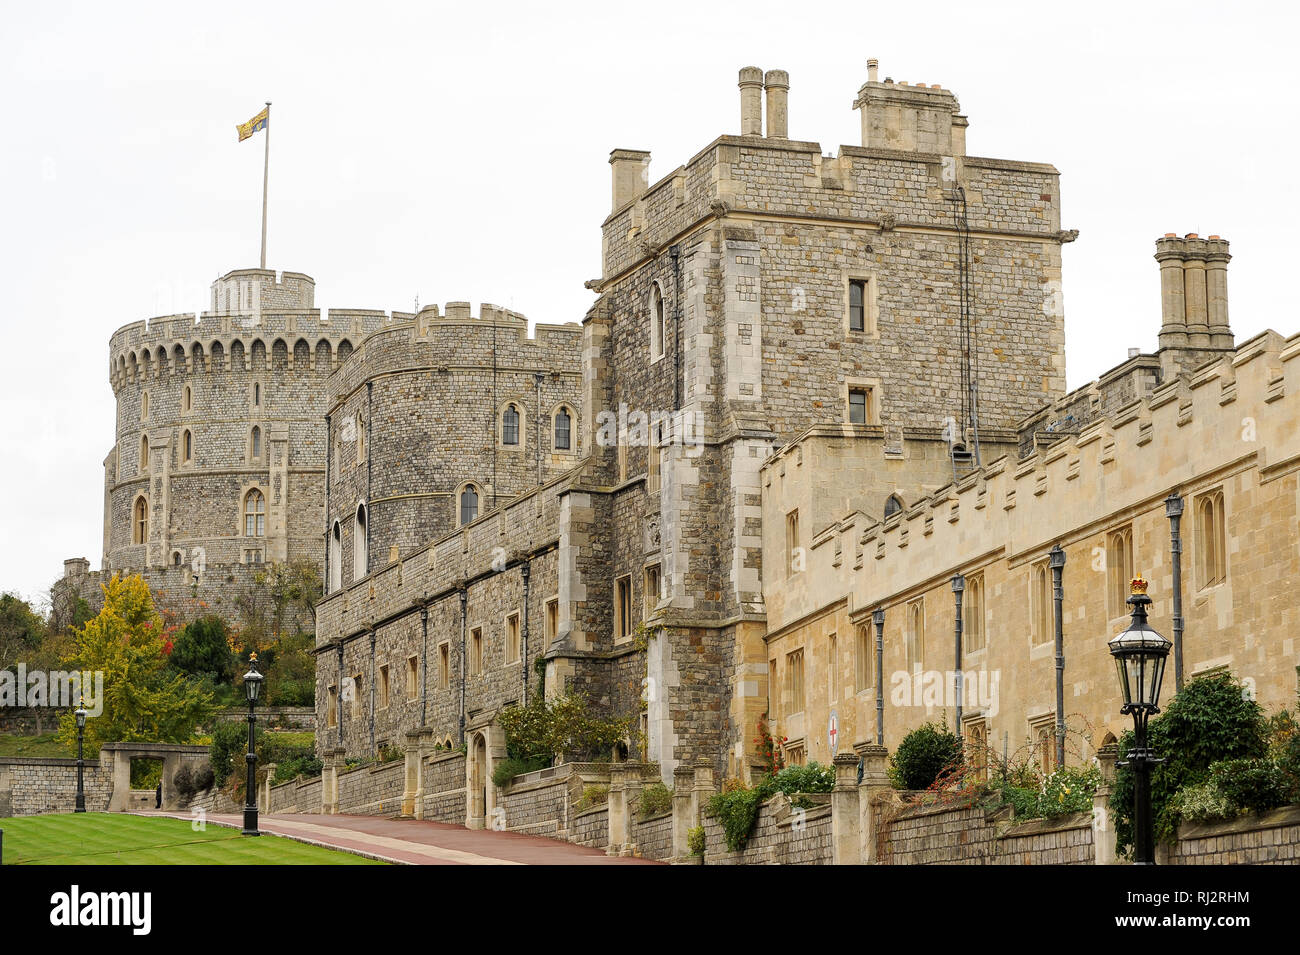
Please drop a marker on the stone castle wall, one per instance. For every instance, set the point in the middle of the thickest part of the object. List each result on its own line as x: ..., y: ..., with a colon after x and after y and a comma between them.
x: 415, y: 416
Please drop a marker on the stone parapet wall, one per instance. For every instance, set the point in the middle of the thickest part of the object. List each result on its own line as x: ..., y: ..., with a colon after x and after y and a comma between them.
x: 781, y: 836
x: 32, y: 786
x: 1268, y: 838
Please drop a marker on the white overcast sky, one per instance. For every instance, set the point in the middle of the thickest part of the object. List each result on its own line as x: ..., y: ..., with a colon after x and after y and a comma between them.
x: 459, y: 152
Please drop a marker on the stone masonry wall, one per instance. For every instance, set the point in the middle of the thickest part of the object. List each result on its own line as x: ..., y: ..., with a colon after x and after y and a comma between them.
x: 32, y: 786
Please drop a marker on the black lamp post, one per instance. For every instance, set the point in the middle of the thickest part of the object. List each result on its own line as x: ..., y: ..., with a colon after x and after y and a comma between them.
x: 252, y: 687
x: 958, y: 586
x: 1140, y: 654
x: 80, y: 714
x: 878, y: 618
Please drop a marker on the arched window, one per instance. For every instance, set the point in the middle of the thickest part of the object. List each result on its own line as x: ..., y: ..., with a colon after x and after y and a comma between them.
x: 140, y: 525
x: 510, y: 425
x: 256, y: 443
x: 656, y: 323
x: 360, y: 560
x: 563, y: 429
x: 361, y: 440
x: 893, y: 504
x: 176, y: 558
x: 254, y: 514
x: 257, y: 394
x: 468, y: 504
x: 187, y: 400
x: 144, y: 406
x: 336, y: 556
x: 187, y: 446
x: 144, y: 452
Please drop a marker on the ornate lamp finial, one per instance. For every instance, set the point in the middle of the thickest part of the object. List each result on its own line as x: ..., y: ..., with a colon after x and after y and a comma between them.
x: 1138, y: 586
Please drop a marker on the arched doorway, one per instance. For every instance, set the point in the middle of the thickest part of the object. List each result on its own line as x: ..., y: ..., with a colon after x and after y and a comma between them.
x: 476, y: 797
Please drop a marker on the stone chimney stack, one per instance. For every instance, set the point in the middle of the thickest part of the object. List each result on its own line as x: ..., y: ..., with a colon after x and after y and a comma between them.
x: 777, y: 85
x: 751, y: 101
x: 631, y: 175
x: 917, y: 117
x: 1193, y: 299
x: 873, y: 70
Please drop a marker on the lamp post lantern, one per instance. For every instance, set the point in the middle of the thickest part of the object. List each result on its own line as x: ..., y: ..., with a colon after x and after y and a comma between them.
x: 1140, y: 655
x: 80, y: 714
x: 252, y: 687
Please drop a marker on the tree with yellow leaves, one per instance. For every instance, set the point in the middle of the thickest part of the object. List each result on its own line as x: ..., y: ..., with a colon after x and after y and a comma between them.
x: 143, y: 700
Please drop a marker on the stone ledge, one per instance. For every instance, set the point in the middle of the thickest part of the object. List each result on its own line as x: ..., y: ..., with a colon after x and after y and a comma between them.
x: 1251, y: 822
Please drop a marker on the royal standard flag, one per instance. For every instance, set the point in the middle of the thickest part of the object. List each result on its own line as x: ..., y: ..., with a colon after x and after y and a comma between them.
x: 258, y: 122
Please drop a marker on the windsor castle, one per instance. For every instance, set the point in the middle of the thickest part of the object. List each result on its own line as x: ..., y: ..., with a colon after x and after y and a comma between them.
x: 812, y: 388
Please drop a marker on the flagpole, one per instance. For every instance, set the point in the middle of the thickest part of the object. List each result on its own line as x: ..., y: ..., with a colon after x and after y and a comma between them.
x: 266, y: 173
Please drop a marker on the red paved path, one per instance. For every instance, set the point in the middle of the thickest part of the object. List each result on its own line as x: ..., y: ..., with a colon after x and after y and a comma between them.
x: 413, y: 842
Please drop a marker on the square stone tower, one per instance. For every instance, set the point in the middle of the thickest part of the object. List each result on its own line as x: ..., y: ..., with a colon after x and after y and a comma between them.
x: 760, y: 289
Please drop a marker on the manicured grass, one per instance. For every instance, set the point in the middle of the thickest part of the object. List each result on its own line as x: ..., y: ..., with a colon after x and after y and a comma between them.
x: 117, y: 839
x: 42, y: 746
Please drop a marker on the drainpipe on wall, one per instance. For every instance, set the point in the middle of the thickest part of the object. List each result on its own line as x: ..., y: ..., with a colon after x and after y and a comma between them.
x: 370, y: 387
x: 958, y: 585
x: 424, y: 664
x: 1174, y: 511
x: 372, y: 671
x: 525, y: 570
x: 338, y: 701
x: 328, y: 436
x: 1057, y: 563
x: 464, y: 597
x: 676, y: 253
x: 537, y: 439
x: 878, y: 618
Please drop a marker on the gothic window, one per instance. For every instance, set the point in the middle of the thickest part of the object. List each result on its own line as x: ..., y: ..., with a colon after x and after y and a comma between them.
x: 1040, y: 602
x: 1119, y: 567
x: 623, y: 608
x: 794, y: 553
x: 360, y: 560
x: 144, y: 452
x: 657, y: 326
x: 833, y: 668
x: 512, y: 638
x: 412, y: 677
x: 444, y: 665
x: 144, y: 406
x: 893, y: 504
x: 336, y: 556
x: 476, y: 651
x: 187, y: 400
x: 187, y: 446
x: 257, y: 394
x: 973, y: 613
x: 563, y: 425
x: 653, y: 589
x: 1211, y: 538
x: 140, y: 524
x: 510, y: 425
x: 863, y: 658
x: 254, y: 514
x: 255, y: 443
x: 914, y: 648
x: 469, y: 497
x: 552, y: 619
x: 794, y: 680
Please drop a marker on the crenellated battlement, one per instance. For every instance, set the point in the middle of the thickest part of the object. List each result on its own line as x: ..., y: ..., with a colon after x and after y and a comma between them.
x: 1245, y: 405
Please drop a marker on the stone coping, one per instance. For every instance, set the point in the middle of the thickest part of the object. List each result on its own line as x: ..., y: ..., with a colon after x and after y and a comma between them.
x: 1250, y: 822
x: 591, y: 810
x: 151, y: 748
x: 1034, y: 827
x: 46, y: 761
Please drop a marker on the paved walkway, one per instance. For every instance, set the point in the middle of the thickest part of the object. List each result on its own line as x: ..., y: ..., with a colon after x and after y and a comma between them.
x: 412, y: 842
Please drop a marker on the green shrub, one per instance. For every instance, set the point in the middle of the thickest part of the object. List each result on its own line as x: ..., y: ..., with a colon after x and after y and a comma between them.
x: 593, y: 796
x: 1069, y: 789
x: 508, y: 768
x: 1203, y: 802
x: 229, y: 744
x: 204, y: 779
x: 1211, y: 719
x: 810, y: 778
x: 1256, y: 784
x: 183, y: 782
x: 309, y: 767
x: 737, y: 809
x: 202, y: 648
x: 923, y: 755
x: 695, y: 840
x: 544, y: 729
x: 656, y: 799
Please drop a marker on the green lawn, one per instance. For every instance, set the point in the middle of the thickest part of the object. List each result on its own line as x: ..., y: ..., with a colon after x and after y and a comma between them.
x: 116, y: 839
x: 34, y: 746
